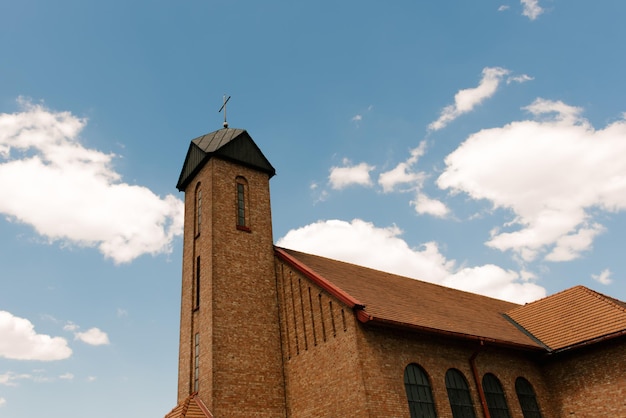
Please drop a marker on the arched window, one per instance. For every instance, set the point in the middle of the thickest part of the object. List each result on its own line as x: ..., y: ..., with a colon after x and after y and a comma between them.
x: 242, y: 204
x: 459, y: 395
x: 198, y: 205
x: 496, y: 401
x: 418, y: 392
x: 527, y: 398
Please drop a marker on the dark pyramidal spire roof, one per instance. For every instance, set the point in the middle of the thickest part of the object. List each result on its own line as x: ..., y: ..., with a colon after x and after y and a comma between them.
x: 228, y: 144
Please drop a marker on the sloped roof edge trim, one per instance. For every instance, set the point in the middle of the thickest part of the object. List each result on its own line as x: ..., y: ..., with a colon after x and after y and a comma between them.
x: 202, y: 406
x: 340, y: 294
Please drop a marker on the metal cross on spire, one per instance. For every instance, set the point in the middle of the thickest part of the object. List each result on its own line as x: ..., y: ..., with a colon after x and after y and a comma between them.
x: 226, y: 99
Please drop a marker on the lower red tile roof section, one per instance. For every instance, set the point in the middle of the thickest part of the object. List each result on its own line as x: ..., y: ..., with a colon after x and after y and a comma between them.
x: 573, y: 317
x: 190, y: 407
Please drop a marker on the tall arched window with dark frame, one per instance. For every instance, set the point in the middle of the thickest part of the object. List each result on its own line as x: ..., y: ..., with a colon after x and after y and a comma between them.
x: 527, y: 398
x: 418, y: 392
x: 459, y: 395
x: 494, y: 394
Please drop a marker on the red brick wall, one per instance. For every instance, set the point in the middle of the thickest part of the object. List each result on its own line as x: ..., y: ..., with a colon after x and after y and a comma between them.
x: 322, y: 365
x: 590, y: 382
x: 386, y: 353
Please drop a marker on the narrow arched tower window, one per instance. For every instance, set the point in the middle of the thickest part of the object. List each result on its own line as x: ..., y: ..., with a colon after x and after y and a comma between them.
x: 242, y: 204
x: 527, y: 398
x: 198, y: 208
x: 459, y: 395
x: 196, y: 285
x: 496, y: 401
x: 196, y: 363
x: 418, y: 392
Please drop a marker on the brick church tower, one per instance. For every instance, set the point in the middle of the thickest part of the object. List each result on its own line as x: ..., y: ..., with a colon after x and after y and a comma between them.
x: 230, y: 350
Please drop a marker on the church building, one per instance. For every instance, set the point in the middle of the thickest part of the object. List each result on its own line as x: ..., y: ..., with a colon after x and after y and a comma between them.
x: 271, y: 332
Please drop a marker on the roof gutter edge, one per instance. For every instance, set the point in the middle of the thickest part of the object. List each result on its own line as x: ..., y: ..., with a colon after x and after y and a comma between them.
x: 367, y: 318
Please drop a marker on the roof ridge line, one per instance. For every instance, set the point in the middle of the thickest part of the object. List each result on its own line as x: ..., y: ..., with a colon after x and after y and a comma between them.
x: 607, y: 299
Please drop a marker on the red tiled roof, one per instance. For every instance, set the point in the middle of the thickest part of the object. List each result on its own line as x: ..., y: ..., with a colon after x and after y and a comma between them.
x: 572, y: 317
x: 190, y: 407
x: 386, y: 298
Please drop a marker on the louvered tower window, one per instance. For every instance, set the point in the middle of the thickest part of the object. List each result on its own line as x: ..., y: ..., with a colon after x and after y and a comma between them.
x: 242, y: 204
x: 418, y: 392
x: 198, y: 209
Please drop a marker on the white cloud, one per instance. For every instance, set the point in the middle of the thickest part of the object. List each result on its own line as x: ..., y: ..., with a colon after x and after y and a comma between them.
x: 604, y: 277
x: 91, y: 379
x: 532, y: 10
x: 71, y: 193
x: 19, y: 341
x: 67, y: 376
x: 403, y: 173
x: 519, y: 79
x: 362, y: 243
x: 93, y: 336
x: 341, y: 177
x: 357, y: 118
x: 503, y: 8
x: 465, y: 100
x: 9, y: 378
x: 424, y: 205
x: 70, y: 326
x: 550, y: 172
x: 2, y: 401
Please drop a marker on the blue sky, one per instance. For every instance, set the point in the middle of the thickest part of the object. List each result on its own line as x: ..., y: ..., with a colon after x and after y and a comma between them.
x: 475, y: 144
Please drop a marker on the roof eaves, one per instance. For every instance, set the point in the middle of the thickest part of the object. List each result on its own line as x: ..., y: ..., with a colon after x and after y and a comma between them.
x: 335, y: 291
x: 589, y: 342
x: 365, y: 318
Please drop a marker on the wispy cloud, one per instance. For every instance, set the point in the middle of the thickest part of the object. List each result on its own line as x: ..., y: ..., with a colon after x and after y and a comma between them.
x: 93, y: 336
x: 577, y: 172
x: 467, y: 99
x: 404, y: 172
x: 519, y: 79
x: 348, y: 175
x: 532, y: 10
x: 604, y: 277
x: 20, y: 341
x: 424, y: 205
x: 70, y: 193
